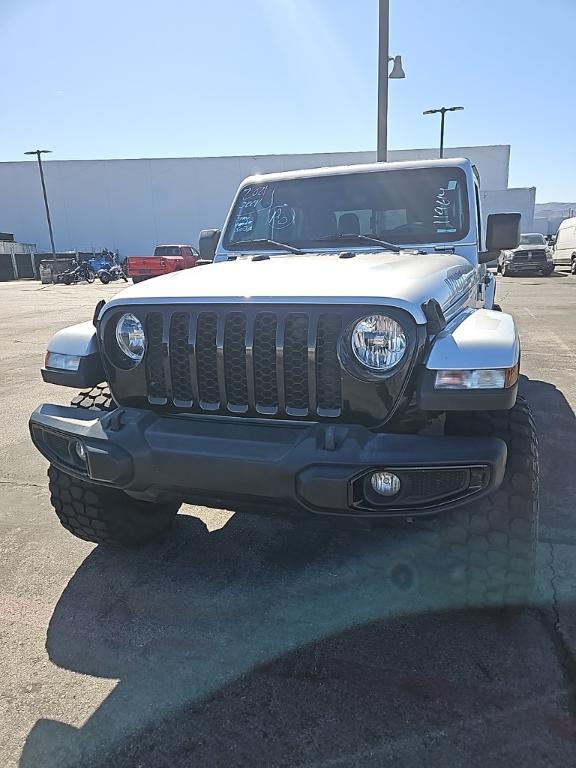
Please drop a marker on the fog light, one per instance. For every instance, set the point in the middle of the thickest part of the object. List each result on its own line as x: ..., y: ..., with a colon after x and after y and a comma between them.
x: 80, y: 450
x: 385, y: 483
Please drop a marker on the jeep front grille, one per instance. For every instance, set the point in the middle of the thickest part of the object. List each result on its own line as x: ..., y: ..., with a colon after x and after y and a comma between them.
x: 251, y: 363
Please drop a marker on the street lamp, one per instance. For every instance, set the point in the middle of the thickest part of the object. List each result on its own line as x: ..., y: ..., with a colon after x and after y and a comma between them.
x: 39, y: 153
x: 442, y: 111
x: 384, y: 75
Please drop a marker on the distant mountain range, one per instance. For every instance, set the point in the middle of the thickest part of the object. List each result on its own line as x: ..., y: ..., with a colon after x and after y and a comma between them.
x: 555, y: 209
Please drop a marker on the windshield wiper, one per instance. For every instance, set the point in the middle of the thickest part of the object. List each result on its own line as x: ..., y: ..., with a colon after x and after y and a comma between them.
x: 363, y: 238
x: 266, y: 241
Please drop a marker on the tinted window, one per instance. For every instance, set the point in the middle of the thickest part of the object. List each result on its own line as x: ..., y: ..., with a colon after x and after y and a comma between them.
x: 401, y: 206
x: 532, y: 240
x: 167, y: 250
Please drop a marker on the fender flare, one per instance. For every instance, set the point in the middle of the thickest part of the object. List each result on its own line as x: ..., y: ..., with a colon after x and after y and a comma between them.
x: 477, y: 339
x: 79, y: 340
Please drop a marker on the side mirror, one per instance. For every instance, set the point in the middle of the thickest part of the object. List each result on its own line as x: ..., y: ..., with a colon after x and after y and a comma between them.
x: 502, y: 234
x: 503, y: 231
x: 207, y: 243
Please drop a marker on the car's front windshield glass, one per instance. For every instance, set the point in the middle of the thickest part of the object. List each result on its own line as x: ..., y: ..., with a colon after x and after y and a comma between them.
x: 403, y: 207
x: 532, y: 240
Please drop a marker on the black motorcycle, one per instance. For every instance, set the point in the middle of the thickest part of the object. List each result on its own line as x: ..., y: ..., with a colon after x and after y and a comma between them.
x: 79, y: 272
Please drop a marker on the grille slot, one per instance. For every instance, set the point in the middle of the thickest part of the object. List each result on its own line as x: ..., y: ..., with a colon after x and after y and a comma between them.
x: 155, y: 373
x: 328, y: 372
x: 179, y: 359
x: 296, y: 365
x: 245, y: 362
x: 206, y: 358
x: 264, y: 353
x: 235, y: 361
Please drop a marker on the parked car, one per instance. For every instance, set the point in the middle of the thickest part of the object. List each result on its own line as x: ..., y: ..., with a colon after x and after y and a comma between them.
x: 564, y: 253
x: 533, y: 254
x: 344, y: 359
x: 166, y: 259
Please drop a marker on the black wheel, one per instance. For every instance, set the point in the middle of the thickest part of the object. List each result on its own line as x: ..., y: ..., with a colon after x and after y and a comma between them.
x: 505, y: 272
x: 573, y: 266
x: 104, y: 278
x: 488, y: 549
x: 138, y: 279
x: 90, y: 275
x: 67, y: 279
x: 104, y: 515
x: 98, y: 398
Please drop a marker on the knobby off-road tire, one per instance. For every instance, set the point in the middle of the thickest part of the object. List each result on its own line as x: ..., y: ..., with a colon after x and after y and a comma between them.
x: 105, y: 515
x: 488, y: 549
x: 98, y: 398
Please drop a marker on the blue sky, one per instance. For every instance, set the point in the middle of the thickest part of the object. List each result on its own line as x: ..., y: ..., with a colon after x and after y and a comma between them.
x: 134, y: 78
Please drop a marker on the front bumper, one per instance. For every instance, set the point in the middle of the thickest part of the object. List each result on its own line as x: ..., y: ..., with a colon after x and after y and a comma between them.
x: 276, y: 466
x: 528, y: 266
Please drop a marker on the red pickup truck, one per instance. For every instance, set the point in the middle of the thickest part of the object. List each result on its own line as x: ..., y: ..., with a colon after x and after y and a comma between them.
x: 167, y: 258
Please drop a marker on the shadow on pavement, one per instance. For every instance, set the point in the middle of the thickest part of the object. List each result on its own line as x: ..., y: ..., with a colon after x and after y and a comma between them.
x: 268, y: 644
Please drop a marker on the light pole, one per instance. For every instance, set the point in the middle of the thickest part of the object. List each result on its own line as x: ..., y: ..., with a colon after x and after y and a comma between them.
x: 442, y: 111
x: 39, y: 153
x: 384, y: 75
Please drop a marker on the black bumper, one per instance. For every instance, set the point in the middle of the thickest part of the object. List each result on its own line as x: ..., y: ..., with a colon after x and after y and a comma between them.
x: 528, y: 266
x: 298, y: 467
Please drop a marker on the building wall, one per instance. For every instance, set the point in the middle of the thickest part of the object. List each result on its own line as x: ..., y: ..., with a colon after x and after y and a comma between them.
x: 134, y: 204
x: 511, y: 201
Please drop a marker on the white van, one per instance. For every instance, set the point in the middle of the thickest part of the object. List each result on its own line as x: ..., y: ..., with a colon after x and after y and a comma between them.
x: 565, y: 245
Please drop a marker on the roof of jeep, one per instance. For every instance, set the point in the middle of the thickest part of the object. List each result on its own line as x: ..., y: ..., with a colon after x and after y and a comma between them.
x: 305, y: 173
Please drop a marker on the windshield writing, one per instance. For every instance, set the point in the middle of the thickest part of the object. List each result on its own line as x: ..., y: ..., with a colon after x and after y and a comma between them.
x: 403, y: 207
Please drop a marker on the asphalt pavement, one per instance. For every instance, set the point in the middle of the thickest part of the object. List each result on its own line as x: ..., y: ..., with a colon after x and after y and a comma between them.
x: 240, y: 641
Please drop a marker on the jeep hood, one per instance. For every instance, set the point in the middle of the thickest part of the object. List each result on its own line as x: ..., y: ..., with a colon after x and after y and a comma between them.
x: 405, y: 280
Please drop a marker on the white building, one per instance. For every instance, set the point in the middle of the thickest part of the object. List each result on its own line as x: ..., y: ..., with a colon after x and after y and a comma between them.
x: 134, y: 204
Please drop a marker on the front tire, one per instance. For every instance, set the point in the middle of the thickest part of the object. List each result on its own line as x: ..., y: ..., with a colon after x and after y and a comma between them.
x: 573, y: 266
x: 489, y: 547
x: 90, y: 275
x: 105, y: 515
x: 98, y: 398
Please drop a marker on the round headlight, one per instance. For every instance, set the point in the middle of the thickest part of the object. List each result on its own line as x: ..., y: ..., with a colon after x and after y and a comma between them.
x: 379, y: 342
x: 131, y: 338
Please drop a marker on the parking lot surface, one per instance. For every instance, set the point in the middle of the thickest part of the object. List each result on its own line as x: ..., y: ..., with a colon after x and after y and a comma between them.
x: 252, y: 642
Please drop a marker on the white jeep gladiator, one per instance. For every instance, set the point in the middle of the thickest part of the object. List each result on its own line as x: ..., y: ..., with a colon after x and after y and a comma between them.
x: 342, y: 357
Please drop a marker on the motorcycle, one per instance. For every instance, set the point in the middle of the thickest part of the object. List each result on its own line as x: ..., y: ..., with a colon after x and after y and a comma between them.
x: 113, y: 272
x: 78, y: 273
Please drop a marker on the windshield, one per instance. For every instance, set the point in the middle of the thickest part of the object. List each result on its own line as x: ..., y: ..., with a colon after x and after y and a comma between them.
x: 532, y: 240
x: 403, y: 207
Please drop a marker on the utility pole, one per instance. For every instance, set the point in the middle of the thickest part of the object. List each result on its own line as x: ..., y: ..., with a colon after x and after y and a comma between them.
x: 39, y: 153
x: 442, y: 111
x: 383, y: 66
x: 397, y: 73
